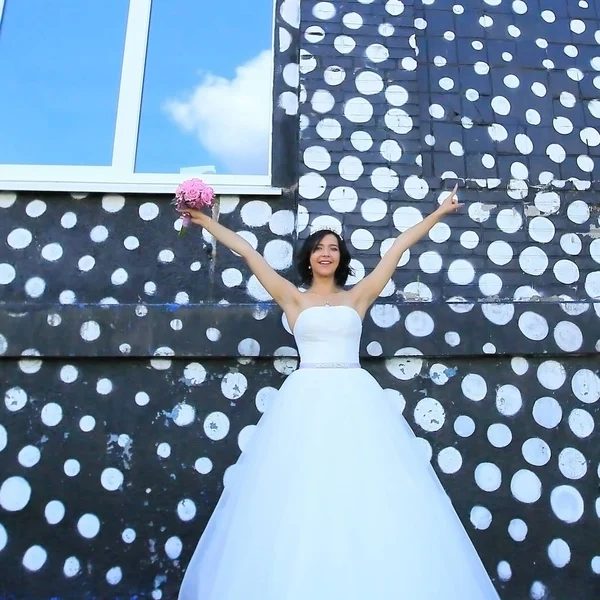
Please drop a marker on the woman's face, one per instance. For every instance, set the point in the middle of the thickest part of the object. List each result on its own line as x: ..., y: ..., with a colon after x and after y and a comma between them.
x: 325, y: 257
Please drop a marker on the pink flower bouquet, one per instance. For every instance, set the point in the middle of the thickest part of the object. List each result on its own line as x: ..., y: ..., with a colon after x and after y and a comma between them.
x: 194, y: 194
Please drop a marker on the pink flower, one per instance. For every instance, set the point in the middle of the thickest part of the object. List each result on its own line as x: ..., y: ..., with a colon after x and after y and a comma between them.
x: 194, y: 194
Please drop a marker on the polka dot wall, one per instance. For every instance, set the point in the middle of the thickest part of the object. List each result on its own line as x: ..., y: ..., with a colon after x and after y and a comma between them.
x: 135, y: 363
x: 117, y: 464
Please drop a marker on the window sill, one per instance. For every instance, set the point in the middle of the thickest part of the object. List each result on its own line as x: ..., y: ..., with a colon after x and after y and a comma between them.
x: 42, y: 178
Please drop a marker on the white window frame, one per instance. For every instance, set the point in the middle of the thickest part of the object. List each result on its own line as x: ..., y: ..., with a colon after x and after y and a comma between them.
x: 121, y: 175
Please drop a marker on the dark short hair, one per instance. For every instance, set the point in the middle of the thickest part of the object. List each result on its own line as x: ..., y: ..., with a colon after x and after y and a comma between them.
x: 343, y: 271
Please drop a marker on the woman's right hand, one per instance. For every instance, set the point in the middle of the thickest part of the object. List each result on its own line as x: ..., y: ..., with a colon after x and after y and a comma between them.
x: 196, y: 216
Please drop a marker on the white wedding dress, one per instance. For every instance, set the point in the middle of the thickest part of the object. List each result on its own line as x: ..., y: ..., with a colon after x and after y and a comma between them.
x: 333, y: 499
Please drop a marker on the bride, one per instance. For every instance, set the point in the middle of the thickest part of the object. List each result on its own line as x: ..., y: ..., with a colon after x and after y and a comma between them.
x: 332, y: 499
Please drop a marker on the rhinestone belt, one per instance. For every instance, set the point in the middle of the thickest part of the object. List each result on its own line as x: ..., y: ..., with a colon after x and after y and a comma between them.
x: 330, y: 365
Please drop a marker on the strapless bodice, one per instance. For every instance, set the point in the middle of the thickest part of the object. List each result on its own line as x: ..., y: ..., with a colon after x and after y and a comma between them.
x: 328, y: 335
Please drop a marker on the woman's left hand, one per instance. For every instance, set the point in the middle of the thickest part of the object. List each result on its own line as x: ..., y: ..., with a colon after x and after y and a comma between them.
x: 450, y: 204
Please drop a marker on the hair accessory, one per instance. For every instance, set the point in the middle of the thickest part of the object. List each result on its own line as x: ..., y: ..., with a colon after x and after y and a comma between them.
x: 329, y: 230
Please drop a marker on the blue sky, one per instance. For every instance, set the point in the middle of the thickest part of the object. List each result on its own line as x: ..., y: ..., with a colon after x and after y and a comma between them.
x: 60, y: 64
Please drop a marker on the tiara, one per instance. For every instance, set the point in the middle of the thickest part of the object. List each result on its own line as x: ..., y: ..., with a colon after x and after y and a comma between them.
x: 331, y: 229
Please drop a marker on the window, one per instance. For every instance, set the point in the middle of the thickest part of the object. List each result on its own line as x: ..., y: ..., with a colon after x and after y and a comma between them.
x: 134, y: 95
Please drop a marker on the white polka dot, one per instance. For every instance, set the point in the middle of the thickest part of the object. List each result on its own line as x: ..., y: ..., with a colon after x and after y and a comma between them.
x: 440, y: 233
x: 279, y: 254
x: 390, y: 150
x: 34, y: 558
x: 186, y: 509
x: 362, y: 239
x: 329, y: 129
x: 581, y: 423
x: 369, y: 83
x: 87, y: 423
x: 163, y: 450
x: 419, y: 323
x: 350, y: 168
x: 526, y: 486
x: 469, y: 239
x: 556, y: 153
x: 551, y: 374
x: 490, y: 284
x: 500, y: 105
x: 7, y: 273
x: 396, y: 95
x: 519, y: 365
x: 533, y: 326
x: 29, y: 456
x: 567, y: 503
x: 88, y: 525
x: 572, y: 463
x: 592, y: 285
x: 317, y: 157
x: 499, y: 435
x: 18, y: 239
x: 547, y: 412
x: 500, y: 252
x: 99, y: 234
x: 480, y: 517
x: 461, y: 272
x: 332, y: 75
x: 509, y: 220
x: 216, y: 426
x: 399, y: 121
x: 517, y: 529
x: 536, y: 452
x: 488, y: 477
x: 35, y: 287
x: 71, y: 467
x: 15, y: 399
x: 498, y: 313
x: 377, y: 53
x: 497, y: 132
x: 15, y: 493
x: 111, y: 479
x: 90, y: 331
x: 430, y: 262
x: 578, y: 212
x: 538, y: 589
x: 508, y: 400
x: 532, y: 116
x: 474, y: 387
x: 324, y: 10
x: 449, y: 460
x: 559, y: 553
x: 54, y: 512
x: 586, y: 386
x: 358, y: 110
x: 541, y: 229
x: 568, y: 336
x: 533, y: 260
x: 232, y: 277
x: 114, y: 575
x: 429, y: 414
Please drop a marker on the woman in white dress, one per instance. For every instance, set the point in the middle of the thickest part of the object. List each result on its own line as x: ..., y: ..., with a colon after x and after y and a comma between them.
x: 332, y: 499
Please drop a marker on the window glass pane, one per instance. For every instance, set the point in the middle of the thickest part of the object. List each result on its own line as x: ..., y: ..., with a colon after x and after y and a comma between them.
x: 206, y: 103
x: 60, y: 68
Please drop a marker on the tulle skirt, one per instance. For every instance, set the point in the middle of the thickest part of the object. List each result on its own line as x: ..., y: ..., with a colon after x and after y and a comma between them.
x: 332, y: 499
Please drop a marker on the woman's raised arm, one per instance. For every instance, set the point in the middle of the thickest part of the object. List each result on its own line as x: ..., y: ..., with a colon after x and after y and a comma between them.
x: 366, y: 291
x: 281, y: 290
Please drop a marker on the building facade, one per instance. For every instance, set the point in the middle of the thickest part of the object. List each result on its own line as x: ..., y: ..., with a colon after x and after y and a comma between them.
x: 135, y: 363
